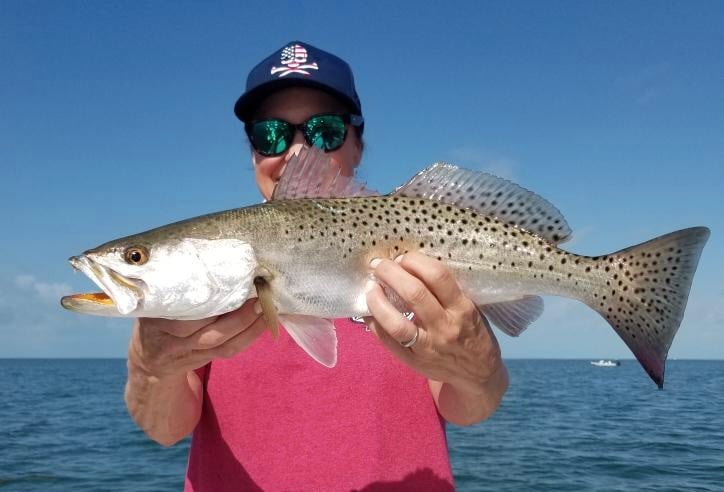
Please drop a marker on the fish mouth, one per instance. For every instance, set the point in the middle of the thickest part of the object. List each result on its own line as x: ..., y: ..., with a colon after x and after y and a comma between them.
x: 121, y: 295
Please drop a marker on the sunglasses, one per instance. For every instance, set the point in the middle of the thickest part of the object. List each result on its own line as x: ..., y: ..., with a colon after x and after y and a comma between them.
x: 325, y: 131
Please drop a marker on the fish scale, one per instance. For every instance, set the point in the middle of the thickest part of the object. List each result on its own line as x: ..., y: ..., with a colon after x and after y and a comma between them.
x: 358, y: 230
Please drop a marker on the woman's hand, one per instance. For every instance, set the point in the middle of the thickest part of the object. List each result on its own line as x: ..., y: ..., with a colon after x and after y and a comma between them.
x: 164, y: 394
x: 455, y: 347
x: 165, y: 347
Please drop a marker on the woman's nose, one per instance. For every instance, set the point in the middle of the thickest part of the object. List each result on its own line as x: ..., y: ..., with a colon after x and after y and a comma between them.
x: 298, y: 137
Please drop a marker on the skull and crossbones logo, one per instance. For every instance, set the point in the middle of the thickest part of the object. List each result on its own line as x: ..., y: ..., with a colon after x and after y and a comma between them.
x: 294, y: 60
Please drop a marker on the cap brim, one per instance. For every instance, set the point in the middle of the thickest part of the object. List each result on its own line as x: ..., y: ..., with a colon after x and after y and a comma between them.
x: 248, y: 102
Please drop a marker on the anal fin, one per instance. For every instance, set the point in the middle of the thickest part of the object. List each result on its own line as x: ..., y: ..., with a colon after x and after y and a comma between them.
x: 513, y: 317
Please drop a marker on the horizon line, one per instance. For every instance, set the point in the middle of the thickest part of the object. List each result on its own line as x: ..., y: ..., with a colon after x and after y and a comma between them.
x: 504, y: 358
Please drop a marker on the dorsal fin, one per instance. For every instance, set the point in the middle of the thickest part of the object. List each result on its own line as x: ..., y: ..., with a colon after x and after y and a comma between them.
x: 490, y: 195
x: 312, y: 174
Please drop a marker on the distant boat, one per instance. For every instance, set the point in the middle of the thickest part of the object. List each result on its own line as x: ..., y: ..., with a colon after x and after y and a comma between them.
x: 605, y: 363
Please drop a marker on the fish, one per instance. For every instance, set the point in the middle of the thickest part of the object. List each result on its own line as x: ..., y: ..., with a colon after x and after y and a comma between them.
x: 305, y: 255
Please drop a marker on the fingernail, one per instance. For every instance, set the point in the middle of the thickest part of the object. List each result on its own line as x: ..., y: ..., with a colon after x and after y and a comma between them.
x: 257, y: 307
x: 375, y: 262
x: 399, y: 259
x: 370, y: 285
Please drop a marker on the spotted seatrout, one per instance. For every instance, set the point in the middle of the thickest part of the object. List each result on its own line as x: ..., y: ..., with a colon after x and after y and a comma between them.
x: 306, y: 254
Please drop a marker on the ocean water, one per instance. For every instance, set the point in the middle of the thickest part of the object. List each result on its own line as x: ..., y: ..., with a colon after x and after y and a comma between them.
x: 563, y: 426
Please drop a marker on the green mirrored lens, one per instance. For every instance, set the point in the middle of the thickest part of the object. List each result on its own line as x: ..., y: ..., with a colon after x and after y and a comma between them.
x: 271, y: 137
x: 326, y: 132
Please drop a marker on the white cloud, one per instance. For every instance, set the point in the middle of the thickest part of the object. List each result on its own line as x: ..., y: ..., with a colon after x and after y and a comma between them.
x: 706, y: 311
x: 647, y: 83
x: 560, y: 309
x: 33, y: 324
x: 580, y: 236
x: 648, y: 94
x: 484, y: 159
x: 49, y: 292
x: 24, y: 281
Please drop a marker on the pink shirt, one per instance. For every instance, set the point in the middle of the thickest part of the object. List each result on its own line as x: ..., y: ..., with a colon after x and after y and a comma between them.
x: 274, y: 419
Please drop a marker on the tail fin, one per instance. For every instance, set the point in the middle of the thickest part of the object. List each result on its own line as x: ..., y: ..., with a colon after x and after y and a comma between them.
x: 645, y: 295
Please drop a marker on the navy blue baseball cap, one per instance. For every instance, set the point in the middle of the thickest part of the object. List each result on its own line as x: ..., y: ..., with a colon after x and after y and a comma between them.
x: 298, y: 64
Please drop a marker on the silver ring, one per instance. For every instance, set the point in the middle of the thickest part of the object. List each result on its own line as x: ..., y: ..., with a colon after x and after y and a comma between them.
x: 413, y: 341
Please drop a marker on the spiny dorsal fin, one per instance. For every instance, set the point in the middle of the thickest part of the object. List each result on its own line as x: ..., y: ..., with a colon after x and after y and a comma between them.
x: 312, y: 174
x: 489, y: 195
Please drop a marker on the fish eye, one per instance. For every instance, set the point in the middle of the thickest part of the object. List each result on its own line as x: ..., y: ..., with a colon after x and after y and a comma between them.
x: 136, y: 255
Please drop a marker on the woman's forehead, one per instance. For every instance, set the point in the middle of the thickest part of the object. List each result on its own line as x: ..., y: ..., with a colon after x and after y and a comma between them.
x: 297, y: 104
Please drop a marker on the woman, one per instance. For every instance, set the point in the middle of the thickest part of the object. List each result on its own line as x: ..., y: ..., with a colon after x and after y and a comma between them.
x: 266, y: 416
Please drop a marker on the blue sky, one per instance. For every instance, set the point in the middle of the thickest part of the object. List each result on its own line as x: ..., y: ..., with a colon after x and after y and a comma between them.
x: 117, y: 117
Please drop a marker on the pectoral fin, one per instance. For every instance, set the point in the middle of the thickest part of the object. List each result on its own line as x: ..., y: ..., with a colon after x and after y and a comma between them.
x: 315, y: 335
x: 268, y: 310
